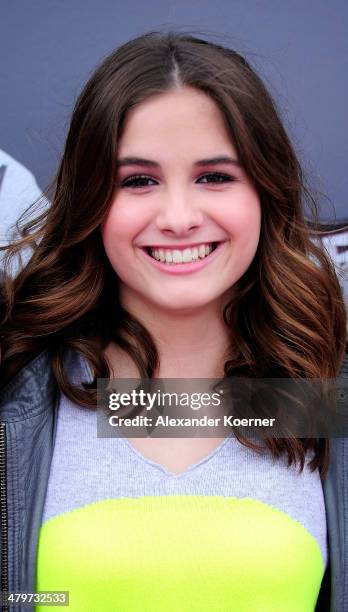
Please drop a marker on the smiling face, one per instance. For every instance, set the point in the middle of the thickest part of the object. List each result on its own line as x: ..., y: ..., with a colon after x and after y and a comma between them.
x: 179, y: 187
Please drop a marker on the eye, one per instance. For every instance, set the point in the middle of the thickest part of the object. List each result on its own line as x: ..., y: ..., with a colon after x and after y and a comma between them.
x: 139, y: 180
x: 216, y: 177
x: 142, y: 180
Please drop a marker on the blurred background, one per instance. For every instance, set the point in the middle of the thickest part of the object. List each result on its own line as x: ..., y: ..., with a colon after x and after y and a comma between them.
x: 50, y: 47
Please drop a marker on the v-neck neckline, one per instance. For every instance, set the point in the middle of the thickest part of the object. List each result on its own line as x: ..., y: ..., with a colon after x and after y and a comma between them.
x: 165, y: 470
x: 153, y: 464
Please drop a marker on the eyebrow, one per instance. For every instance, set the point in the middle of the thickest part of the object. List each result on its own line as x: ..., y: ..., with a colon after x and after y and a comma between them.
x: 211, y: 161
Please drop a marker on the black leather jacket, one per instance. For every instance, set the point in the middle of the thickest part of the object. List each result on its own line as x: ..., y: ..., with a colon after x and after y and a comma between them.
x: 27, y: 434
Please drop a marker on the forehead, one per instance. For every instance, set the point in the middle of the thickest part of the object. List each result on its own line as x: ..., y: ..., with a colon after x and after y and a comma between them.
x: 185, y: 117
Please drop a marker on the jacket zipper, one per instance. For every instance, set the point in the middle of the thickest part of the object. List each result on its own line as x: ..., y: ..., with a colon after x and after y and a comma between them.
x: 3, y: 513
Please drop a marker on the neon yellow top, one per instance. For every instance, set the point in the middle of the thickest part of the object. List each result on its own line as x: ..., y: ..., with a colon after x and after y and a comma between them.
x: 180, y: 554
x: 235, y: 532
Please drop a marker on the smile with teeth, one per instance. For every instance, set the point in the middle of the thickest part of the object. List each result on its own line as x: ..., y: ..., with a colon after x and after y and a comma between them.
x: 178, y: 256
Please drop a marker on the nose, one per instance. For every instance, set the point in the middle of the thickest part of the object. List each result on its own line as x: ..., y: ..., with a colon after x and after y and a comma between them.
x: 178, y: 214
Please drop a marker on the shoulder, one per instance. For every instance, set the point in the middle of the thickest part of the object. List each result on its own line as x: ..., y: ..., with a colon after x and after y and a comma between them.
x: 32, y: 387
x: 35, y: 388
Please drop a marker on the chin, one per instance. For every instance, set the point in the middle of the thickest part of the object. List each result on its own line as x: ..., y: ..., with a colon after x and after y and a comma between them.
x: 182, y: 306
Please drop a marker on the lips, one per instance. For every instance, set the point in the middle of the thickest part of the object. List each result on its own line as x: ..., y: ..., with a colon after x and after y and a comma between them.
x: 181, y: 247
x: 184, y: 268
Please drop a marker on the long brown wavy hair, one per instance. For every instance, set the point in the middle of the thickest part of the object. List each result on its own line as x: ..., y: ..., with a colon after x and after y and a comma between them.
x: 287, y: 317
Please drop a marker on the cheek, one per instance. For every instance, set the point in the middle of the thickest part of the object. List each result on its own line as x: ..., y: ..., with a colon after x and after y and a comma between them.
x: 242, y: 217
x: 121, y: 225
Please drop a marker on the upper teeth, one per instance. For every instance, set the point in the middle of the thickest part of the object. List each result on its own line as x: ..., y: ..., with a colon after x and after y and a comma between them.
x: 182, y: 256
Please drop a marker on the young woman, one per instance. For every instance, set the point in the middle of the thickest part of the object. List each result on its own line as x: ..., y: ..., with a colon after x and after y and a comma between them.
x: 175, y: 247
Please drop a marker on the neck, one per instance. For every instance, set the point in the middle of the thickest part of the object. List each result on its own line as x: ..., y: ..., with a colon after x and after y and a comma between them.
x: 190, y: 344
